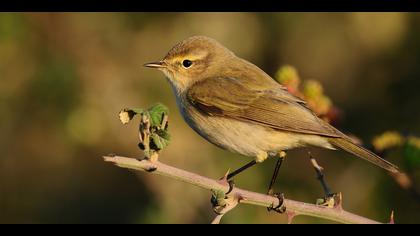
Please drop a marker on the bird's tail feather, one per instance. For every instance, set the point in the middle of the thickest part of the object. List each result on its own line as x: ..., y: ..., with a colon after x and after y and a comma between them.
x: 349, y: 146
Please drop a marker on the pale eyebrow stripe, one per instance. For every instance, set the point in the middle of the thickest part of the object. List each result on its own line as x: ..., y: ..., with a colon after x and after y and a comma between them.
x: 193, y: 57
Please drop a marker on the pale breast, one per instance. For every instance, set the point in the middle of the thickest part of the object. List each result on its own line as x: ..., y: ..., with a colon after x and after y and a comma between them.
x: 242, y: 137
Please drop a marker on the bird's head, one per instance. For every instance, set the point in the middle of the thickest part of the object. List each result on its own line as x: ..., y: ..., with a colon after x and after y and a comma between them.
x: 192, y: 60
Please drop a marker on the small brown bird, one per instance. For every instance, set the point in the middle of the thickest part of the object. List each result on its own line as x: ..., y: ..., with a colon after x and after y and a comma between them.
x: 236, y: 106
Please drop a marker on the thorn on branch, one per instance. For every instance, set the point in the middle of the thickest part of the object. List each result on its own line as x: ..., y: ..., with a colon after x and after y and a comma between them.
x: 339, y: 202
x: 225, y: 181
x: 225, y: 177
x: 391, y: 221
x: 290, y: 216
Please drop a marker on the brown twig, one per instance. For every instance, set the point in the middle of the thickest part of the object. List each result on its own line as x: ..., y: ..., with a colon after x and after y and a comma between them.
x: 247, y: 197
x: 320, y: 175
x: 331, y: 200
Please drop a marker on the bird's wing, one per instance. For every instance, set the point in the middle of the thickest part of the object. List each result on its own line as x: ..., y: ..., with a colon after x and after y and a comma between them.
x: 274, y: 107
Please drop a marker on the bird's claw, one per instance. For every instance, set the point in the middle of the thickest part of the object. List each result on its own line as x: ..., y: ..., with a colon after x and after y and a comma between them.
x: 280, y: 208
x: 220, y: 199
x: 226, y: 180
x: 231, y: 186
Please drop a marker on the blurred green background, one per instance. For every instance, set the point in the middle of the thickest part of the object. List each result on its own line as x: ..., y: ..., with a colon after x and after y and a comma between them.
x: 65, y: 76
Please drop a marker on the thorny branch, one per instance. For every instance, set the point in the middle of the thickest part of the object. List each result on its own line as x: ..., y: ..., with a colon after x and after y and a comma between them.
x: 154, y: 137
x: 242, y: 196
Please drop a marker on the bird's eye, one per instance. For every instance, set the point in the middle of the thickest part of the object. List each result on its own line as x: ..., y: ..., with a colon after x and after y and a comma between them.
x: 186, y: 63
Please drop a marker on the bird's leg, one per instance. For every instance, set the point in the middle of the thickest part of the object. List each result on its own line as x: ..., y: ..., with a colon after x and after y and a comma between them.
x: 229, y: 177
x: 280, y: 208
x: 258, y: 159
x: 236, y: 172
x: 281, y: 155
x: 262, y: 156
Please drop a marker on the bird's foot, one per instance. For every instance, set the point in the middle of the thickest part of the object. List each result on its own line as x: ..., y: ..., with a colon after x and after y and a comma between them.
x: 231, y: 186
x: 227, y: 180
x: 280, y: 208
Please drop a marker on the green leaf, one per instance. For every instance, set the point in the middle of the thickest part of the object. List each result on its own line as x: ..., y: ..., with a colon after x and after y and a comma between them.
x: 158, y: 141
x: 157, y: 113
x: 150, y: 119
x: 218, y: 198
x: 164, y: 134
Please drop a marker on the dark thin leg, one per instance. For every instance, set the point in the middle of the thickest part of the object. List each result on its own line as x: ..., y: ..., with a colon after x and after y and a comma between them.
x: 275, y: 174
x: 233, y: 174
x: 279, y: 208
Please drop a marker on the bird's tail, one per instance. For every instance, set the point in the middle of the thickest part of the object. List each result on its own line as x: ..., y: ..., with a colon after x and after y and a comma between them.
x: 349, y: 146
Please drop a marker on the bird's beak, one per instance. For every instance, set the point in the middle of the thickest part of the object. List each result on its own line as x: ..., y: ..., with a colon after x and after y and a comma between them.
x: 158, y: 64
